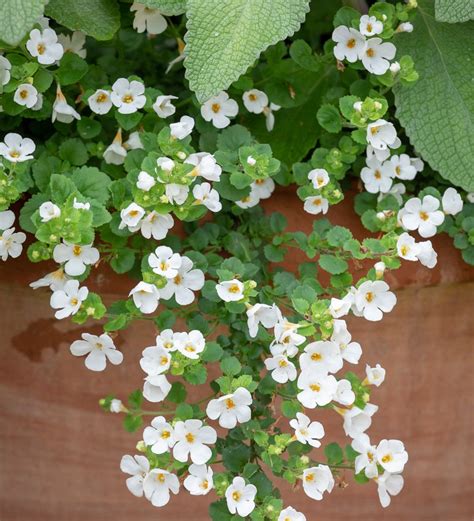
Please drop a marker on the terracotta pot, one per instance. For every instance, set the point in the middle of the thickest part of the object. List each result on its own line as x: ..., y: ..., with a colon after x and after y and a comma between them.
x: 60, y: 453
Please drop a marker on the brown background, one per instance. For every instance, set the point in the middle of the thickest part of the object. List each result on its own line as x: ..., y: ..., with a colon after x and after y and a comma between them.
x: 59, y: 453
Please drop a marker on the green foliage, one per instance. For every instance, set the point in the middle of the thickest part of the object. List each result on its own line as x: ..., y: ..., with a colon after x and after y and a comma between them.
x: 17, y: 17
x: 454, y: 11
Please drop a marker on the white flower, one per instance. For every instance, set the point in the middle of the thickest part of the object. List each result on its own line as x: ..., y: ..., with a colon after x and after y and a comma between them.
x: 54, y: 280
x: 269, y: 116
x: 375, y: 177
x: 148, y: 19
x: 397, y: 190
x: 44, y: 46
x: 317, y: 480
x: 100, y: 101
x: 155, y: 360
x: 5, y: 68
x: 145, y: 296
x: 344, y: 393
x: 372, y: 299
x: 251, y: 161
x: 306, y: 431
x: 395, y: 67
x: 81, y: 206
x: 263, y: 188
x: 427, y: 255
x: 156, y: 225
x: 452, y: 201
x: 128, y: 96
x: 261, y: 314
x: 350, y: 44
x: 160, y: 436
x: 316, y: 204
x: 407, y: 248
x: 367, y: 459
x: 250, y: 200
x: 166, y: 164
x: 208, y: 196
x: 369, y: 25
x: 98, y: 349
x: 115, y: 153
x: 183, y: 128
x: 377, y: 54
x: 184, y: 283
x: 290, y: 514
x: 168, y: 340
x: 163, y: 106
x: 381, y: 135
x: 317, y: 388
x: 11, y: 244
x: 380, y: 155
x: 405, y: 27
x: 230, y: 290
x: 350, y: 351
x: 324, y: 355
x: 391, y: 455
x: 340, y: 307
x: 282, y: 369
x: 131, y: 216
x: 219, y: 109
x: 286, y: 338
x: 116, y: 406
x: 388, y: 485
x: 62, y: 111
x: 357, y: 421
x: 156, y: 388
x: 470, y: 197
x: 69, y: 299
x: 176, y: 194
x: 200, y: 480
x: 16, y: 148
x: 422, y: 215
x: 157, y: 486
x: 240, y: 497
x: 255, y: 100
x: 205, y: 166
x: 164, y: 262
x: 76, y: 257
x: 26, y: 95
x: 138, y: 467
x: 319, y: 177
x: 400, y: 167
x: 145, y: 181
x: 192, y: 440
x: 375, y: 375
x: 231, y: 408
x: 134, y: 142
x: 74, y: 43
x: 49, y: 211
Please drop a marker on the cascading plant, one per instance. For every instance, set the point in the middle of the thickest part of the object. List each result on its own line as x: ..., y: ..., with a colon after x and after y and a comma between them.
x: 106, y: 146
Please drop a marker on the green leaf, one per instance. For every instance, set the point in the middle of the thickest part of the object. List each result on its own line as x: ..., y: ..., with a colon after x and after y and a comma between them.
x: 303, y: 55
x: 184, y: 411
x: 225, y: 38
x: 74, y: 151
x: 332, y: 264
x: 97, y: 18
x: 329, y: 118
x: 28, y: 209
x: 334, y: 453
x: 443, y: 132
x: 231, y: 366
x: 61, y: 188
x: 212, y: 353
x: 123, y: 260
x: 92, y: 183
x: 178, y: 393
x: 167, y: 7
x: 88, y: 128
x: 235, y: 457
x: 17, y: 17
x: 71, y: 69
x: 454, y: 11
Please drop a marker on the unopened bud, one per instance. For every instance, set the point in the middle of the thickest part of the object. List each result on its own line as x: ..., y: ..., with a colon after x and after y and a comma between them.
x: 395, y: 68
x: 141, y: 447
x: 251, y: 161
x: 181, y: 155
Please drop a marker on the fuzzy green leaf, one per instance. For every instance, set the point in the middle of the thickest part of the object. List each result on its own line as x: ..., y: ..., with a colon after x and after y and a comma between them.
x: 17, y: 18
x: 167, y: 7
x: 454, y: 11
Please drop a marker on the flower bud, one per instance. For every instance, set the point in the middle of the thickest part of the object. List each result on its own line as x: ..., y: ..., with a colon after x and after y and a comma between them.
x: 379, y: 269
x: 395, y: 68
x: 141, y: 447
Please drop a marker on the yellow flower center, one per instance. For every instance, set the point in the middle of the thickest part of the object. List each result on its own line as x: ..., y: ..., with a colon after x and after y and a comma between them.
x: 190, y: 437
x: 351, y: 43
x: 14, y: 153
x: 23, y: 94
x: 168, y: 345
x: 404, y: 249
x: 160, y: 477
x: 369, y: 28
x: 215, y: 107
x: 190, y: 348
x: 283, y: 363
x: 133, y: 213
x: 370, y: 52
x: 128, y: 98
x: 229, y: 403
x: 387, y: 458
x: 76, y: 250
x: 309, y: 477
x: 163, y: 360
x: 424, y: 216
x: 252, y: 97
x: 74, y: 302
x: 205, y: 484
x: 317, y: 202
x: 165, y: 434
x: 177, y: 279
x: 234, y: 288
x: 377, y: 174
x: 236, y: 496
x: 397, y: 170
x: 41, y: 48
x: 374, y: 130
x: 101, y: 97
x: 370, y: 457
x: 315, y: 357
x: 315, y: 387
x: 369, y: 296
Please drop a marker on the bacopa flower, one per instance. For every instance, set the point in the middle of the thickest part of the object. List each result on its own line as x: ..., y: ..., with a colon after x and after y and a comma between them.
x: 317, y: 388
x: 163, y: 106
x: 263, y: 188
x: 156, y: 388
x: 148, y: 19
x: 115, y: 153
x: 44, y: 46
x: 207, y: 196
x: 375, y: 375
x: 391, y: 455
x: 376, y: 179
x: 190, y: 344
x: 240, y: 497
x: 366, y: 460
x: 205, y: 165
x: 128, y: 96
x: 350, y: 44
x: 62, y: 111
x: 159, y: 436
x: 116, y: 406
x: 48, y: 211
x: 323, y: 355
x: 26, y: 95
x: 231, y: 409
x: 155, y: 360
x: 281, y: 368
x: 5, y: 68
x: 157, y: 486
x: 350, y: 351
x: 370, y: 26
x: 7, y: 219
x: 11, y: 244
x: 99, y: 350
x: 319, y: 177
x: 400, y: 167
x: 156, y: 225
x: 451, y: 201
x: 219, y: 109
x: 306, y: 431
x: 183, y: 128
x: 184, y: 283
x: 373, y: 299
x: 145, y: 181
x: 54, y: 280
x: 76, y: 257
x: 164, y: 262
x: 427, y: 255
x: 317, y: 480
x: 407, y: 248
x: 145, y: 296
x: 17, y: 149
x: 422, y: 215
x: 131, y: 216
x: 138, y: 468
x: 356, y: 420
x: 230, y: 290
x: 344, y: 393
x: 255, y: 101
x: 269, y: 116
x: 192, y: 440
x: 382, y: 135
x: 74, y: 43
x: 261, y: 314
x: 200, y: 480
x: 316, y: 204
x: 100, y: 102
x: 377, y: 55
x: 69, y: 299
x: 290, y: 514
x: 388, y: 485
